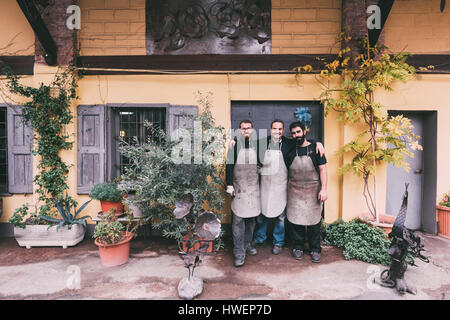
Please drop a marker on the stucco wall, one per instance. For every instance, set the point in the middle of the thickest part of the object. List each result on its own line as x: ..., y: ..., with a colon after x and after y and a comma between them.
x: 14, y: 30
x: 345, y: 201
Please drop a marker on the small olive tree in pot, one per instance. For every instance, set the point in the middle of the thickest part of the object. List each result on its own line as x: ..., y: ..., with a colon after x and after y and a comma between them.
x: 164, y: 169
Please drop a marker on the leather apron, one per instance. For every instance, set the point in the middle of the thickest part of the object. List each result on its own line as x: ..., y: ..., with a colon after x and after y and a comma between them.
x: 303, y: 206
x: 246, y: 202
x: 274, y: 177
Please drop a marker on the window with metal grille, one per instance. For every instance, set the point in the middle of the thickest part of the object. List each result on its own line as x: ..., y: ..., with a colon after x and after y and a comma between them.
x: 130, y: 124
x: 3, y: 151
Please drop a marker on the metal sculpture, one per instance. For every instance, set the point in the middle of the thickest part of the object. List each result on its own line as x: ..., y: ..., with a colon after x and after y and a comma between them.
x: 205, y: 228
x: 208, y: 26
x: 404, y: 242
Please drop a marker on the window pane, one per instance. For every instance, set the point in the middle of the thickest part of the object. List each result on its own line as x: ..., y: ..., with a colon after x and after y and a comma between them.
x: 131, y: 123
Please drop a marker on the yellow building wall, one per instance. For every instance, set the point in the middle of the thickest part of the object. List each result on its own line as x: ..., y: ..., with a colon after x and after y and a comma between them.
x: 426, y: 92
x: 117, y: 27
x: 305, y: 27
x: 418, y: 26
x: 112, y: 27
x: 16, y: 35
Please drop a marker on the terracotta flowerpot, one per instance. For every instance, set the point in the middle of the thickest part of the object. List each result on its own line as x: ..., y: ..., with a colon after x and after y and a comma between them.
x: 386, y: 222
x: 443, y: 218
x: 205, y: 246
x: 115, y: 254
x: 106, y: 206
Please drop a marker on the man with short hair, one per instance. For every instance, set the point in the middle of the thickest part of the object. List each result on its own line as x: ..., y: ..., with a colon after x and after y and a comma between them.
x: 273, y: 184
x: 243, y: 186
x: 307, y: 190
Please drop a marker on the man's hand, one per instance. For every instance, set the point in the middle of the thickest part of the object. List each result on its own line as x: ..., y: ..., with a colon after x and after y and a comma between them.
x: 320, y: 149
x: 230, y: 191
x: 231, y: 144
x: 322, y: 195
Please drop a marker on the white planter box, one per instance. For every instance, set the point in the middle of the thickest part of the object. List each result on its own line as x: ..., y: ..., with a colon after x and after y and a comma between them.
x: 45, y: 236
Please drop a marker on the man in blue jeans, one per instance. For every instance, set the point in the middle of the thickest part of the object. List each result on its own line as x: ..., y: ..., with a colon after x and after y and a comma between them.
x: 273, y: 184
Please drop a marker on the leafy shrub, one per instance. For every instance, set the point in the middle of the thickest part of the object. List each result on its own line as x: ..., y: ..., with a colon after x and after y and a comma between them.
x: 21, y: 218
x: 106, y: 192
x: 359, y: 241
x: 159, y: 181
x: 445, y: 200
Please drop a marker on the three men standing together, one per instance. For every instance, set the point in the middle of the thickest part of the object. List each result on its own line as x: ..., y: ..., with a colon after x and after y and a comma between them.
x: 275, y: 178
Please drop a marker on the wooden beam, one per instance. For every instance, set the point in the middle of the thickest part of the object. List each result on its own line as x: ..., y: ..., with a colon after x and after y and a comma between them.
x: 20, y: 65
x: 275, y: 63
x: 208, y: 62
x: 40, y: 29
x: 385, y: 8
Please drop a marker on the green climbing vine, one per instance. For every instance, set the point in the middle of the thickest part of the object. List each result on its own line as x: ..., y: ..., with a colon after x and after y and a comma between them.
x: 48, y: 112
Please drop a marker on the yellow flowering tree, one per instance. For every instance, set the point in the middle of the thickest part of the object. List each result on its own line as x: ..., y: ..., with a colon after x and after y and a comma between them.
x: 383, y: 137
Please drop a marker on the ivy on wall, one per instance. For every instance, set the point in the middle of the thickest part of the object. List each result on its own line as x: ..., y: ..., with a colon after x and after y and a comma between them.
x: 48, y: 112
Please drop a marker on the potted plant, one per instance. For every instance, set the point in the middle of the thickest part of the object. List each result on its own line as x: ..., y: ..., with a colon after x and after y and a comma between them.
x: 109, y: 195
x: 113, y: 238
x: 44, y: 230
x: 160, y: 179
x: 443, y: 213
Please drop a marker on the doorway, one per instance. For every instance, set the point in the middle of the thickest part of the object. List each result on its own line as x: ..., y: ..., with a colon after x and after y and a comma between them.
x: 421, y: 214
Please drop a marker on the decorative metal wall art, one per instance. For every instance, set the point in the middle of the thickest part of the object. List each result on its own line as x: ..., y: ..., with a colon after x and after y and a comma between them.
x: 208, y: 26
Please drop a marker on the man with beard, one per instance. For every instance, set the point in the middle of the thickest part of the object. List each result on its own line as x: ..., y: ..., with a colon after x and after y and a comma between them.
x: 273, y: 184
x: 307, y: 190
x: 243, y: 186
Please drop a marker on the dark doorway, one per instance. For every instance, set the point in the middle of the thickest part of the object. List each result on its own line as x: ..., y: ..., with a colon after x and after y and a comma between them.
x: 261, y: 113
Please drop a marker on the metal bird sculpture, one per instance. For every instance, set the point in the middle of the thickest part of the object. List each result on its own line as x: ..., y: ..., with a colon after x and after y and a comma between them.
x: 403, y: 242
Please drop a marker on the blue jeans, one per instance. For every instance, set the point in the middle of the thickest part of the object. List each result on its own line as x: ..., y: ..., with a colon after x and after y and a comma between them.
x: 278, y: 229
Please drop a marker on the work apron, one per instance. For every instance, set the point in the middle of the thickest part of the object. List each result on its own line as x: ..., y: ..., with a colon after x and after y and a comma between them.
x: 303, y: 205
x: 274, y: 177
x: 246, y: 202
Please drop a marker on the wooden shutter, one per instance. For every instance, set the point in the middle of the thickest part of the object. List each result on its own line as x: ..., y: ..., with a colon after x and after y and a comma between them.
x: 176, y: 119
x: 91, y: 164
x: 20, y: 157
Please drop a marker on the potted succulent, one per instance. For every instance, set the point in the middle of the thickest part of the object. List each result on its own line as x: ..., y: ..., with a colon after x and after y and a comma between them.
x: 110, y: 197
x: 44, y: 230
x: 443, y: 216
x: 113, y: 238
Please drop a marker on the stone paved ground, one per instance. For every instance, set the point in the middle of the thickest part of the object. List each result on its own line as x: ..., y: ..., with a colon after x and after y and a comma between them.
x: 154, y: 270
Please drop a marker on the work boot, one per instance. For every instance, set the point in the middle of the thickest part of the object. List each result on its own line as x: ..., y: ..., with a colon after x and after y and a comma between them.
x: 297, y: 253
x: 239, y: 262
x: 277, y: 249
x: 251, y: 250
x: 315, y: 257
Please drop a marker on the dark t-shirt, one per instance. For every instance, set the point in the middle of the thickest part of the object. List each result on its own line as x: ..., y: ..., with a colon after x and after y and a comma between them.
x: 303, y: 151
